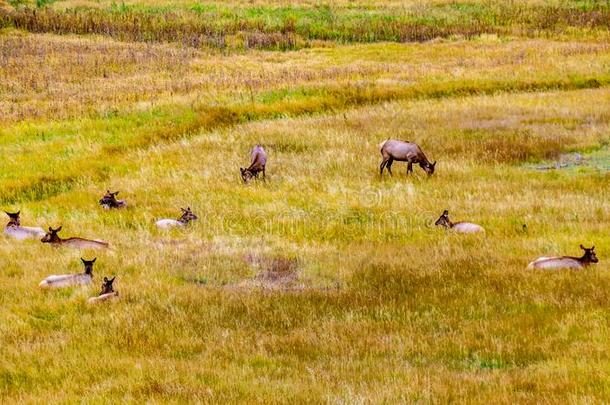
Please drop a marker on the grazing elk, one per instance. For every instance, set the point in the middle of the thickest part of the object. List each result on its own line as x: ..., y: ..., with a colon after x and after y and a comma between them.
x: 565, y: 262
x: 461, y: 227
x: 107, y: 292
x: 110, y: 201
x: 403, y: 151
x: 258, y: 159
x: 187, y: 216
x: 15, y: 230
x: 67, y: 280
x: 79, y: 243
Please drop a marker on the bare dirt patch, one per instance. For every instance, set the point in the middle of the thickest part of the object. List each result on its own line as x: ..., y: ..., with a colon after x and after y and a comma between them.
x: 274, y: 273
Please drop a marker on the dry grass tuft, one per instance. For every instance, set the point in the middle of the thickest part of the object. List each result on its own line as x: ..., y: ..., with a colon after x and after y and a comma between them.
x: 274, y: 41
x: 274, y: 273
x: 278, y: 271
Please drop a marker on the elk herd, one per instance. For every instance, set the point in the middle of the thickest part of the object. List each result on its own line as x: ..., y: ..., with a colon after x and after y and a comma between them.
x: 391, y: 151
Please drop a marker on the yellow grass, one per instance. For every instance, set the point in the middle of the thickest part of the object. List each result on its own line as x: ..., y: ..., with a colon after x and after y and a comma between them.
x: 385, y: 307
x: 105, y: 77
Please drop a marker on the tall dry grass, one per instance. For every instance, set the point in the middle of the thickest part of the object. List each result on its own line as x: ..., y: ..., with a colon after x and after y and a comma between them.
x: 286, y: 28
x: 59, y: 77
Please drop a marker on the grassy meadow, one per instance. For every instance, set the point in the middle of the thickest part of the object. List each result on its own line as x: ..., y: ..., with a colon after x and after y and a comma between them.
x: 327, y: 283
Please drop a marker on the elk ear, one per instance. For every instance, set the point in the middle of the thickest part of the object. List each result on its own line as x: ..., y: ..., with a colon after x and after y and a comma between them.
x: 50, y: 229
x: 58, y: 229
x: 83, y: 260
x: 112, y: 280
x: 582, y: 247
x: 446, y: 212
x: 593, y: 247
x: 94, y: 259
x: 434, y: 164
x: 105, y: 280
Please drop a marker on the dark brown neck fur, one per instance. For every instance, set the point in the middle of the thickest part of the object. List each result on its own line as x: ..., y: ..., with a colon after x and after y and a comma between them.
x: 423, y: 160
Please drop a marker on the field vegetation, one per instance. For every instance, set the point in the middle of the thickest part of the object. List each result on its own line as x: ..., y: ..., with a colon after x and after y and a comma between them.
x: 281, y: 27
x: 326, y: 283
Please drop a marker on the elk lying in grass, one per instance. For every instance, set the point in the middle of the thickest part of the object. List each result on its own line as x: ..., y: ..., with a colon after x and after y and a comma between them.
x: 67, y: 280
x: 109, y: 201
x: 402, y: 151
x: 107, y: 292
x: 187, y: 216
x: 79, y: 243
x: 566, y: 262
x: 461, y: 227
x: 258, y: 159
x: 15, y: 230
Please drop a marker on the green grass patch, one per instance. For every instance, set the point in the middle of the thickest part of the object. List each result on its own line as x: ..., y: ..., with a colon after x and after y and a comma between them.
x: 209, y: 25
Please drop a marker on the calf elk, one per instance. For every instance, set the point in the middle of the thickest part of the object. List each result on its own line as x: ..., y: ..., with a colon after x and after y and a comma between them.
x: 187, y: 216
x: 109, y: 201
x: 461, y: 227
x: 107, y: 292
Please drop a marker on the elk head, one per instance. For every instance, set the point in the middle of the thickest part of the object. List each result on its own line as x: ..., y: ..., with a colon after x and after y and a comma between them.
x: 443, y: 220
x: 51, y: 236
x: 88, y: 265
x: 187, y: 215
x: 246, y: 174
x: 429, y: 168
x: 107, y: 286
x: 14, y: 218
x: 109, y: 199
x: 589, y: 255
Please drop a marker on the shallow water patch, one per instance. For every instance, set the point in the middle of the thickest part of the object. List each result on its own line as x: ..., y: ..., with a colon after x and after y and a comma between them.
x: 598, y: 160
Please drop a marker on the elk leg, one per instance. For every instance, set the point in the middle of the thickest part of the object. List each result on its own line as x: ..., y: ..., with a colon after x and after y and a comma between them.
x: 264, y: 176
x: 381, y: 167
x: 410, y: 167
x: 389, y: 166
